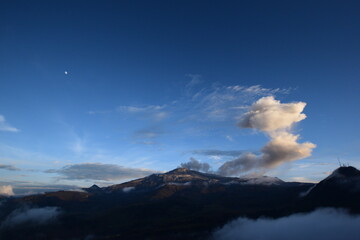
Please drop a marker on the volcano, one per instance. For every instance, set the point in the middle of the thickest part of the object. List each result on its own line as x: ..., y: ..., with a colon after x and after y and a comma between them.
x: 179, y: 204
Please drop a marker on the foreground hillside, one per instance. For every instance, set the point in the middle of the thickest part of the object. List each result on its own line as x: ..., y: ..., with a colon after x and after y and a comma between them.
x: 180, y: 204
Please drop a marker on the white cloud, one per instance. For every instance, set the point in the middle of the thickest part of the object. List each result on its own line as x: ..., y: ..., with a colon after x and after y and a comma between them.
x: 329, y: 224
x: 275, y: 119
x: 6, y: 190
x: 128, y: 189
x: 268, y: 114
x: 4, y: 126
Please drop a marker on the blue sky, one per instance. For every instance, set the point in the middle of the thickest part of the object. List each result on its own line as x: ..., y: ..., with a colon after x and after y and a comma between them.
x: 150, y: 84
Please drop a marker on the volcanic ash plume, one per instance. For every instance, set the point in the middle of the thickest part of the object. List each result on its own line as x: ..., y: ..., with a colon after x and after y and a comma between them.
x: 274, y: 119
x: 194, y: 164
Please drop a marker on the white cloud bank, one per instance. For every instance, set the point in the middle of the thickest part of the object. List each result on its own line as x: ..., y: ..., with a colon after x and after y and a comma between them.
x: 268, y: 114
x: 327, y: 224
x: 37, y: 216
x: 6, y: 190
x: 4, y: 126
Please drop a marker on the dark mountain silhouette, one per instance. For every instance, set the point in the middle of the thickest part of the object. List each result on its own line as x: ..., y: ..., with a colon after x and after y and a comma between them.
x: 180, y: 204
x: 340, y: 189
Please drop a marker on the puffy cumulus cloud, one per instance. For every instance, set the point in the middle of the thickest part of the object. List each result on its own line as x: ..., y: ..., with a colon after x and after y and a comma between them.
x: 275, y: 119
x: 329, y: 224
x: 4, y: 126
x: 9, y: 167
x: 194, y: 164
x: 37, y: 216
x: 268, y: 114
x: 99, y: 171
x: 6, y: 190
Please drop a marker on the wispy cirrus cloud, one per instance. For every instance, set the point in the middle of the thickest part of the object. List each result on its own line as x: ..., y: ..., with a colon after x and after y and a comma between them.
x: 154, y: 112
x: 6, y: 127
x: 221, y: 103
x: 215, y: 103
x: 197, y: 108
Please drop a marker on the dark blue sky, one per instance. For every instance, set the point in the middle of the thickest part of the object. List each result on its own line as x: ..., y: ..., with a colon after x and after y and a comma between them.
x: 140, y: 54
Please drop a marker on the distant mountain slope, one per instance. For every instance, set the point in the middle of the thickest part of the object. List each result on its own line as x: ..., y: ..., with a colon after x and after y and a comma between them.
x: 339, y: 189
x: 184, y: 177
x: 180, y: 204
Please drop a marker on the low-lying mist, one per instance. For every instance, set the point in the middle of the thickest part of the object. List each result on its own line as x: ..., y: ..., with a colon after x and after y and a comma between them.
x: 322, y: 224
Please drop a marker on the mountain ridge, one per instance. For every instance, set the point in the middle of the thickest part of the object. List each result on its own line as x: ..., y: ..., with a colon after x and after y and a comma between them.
x: 179, y: 204
x: 184, y: 176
